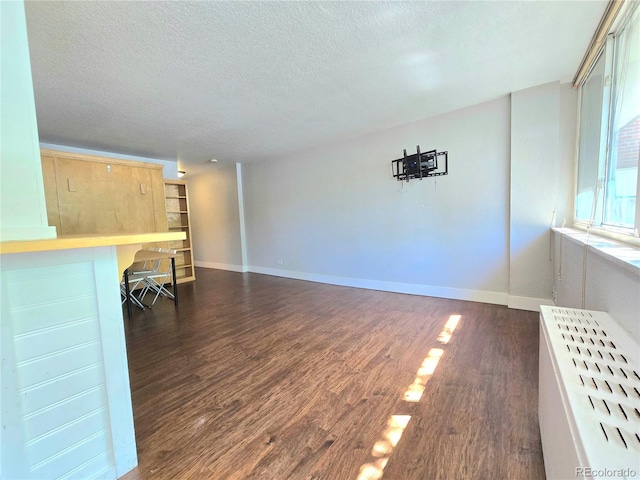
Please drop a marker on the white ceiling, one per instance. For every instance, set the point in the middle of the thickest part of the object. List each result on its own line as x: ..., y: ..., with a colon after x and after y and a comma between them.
x: 244, y: 81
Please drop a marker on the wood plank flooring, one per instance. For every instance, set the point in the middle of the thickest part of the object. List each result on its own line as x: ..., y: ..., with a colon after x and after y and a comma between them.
x: 255, y: 376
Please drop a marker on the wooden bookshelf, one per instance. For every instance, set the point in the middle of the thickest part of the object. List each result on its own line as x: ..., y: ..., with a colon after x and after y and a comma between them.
x: 177, y: 206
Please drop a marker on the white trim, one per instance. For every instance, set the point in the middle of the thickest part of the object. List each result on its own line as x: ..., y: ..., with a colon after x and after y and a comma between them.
x: 528, y: 303
x: 221, y: 266
x: 116, y: 367
x: 12, y: 432
x: 482, y: 296
x: 497, y: 298
x: 613, y: 233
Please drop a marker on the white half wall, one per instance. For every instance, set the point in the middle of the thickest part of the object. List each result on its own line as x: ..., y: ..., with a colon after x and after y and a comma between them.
x: 66, y: 402
x: 336, y: 212
x: 215, y: 218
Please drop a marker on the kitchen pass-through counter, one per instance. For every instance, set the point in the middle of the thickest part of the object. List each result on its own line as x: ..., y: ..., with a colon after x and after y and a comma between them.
x: 65, y: 395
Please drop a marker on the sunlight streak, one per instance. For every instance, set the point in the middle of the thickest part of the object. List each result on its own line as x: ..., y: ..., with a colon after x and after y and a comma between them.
x: 383, y: 447
x: 396, y: 424
x: 372, y: 471
x: 414, y: 392
x: 430, y: 362
x: 448, y: 329
x: 395, y: 428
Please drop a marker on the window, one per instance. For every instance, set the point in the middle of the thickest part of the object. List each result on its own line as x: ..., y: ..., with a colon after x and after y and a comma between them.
x: 609, y: 133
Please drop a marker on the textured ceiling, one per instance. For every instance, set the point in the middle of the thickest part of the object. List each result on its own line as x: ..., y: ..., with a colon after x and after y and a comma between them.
x: 250, y: 81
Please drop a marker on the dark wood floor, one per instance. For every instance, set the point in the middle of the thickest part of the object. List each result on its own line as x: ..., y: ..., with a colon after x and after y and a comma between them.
x: 263, y: 377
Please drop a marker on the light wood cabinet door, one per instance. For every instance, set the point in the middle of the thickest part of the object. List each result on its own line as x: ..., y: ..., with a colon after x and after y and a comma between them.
x: 97, y: 195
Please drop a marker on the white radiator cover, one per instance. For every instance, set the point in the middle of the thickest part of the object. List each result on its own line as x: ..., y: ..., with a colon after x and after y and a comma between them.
x: 589, y: 396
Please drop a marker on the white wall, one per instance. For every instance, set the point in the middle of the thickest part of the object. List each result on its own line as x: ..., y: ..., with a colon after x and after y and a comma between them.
x: 541, y: 145
x: 567, y: 160
x: 215, y: 218
x: 336, y: 214
x: 23, y: 211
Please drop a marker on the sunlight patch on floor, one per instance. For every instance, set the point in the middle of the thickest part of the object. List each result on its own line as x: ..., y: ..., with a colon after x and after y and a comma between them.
x: 416, y: 389
x: 449, y: 327
x: 396, y: 424
x: 383, y: 447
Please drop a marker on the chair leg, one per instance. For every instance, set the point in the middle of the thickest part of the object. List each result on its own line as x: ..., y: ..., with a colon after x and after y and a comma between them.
x: 135, y: 300
x: 128, y: 295
x: 159, y: 288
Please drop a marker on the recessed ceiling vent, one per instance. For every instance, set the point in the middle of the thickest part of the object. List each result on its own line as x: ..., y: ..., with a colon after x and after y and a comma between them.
x: 589, y: 386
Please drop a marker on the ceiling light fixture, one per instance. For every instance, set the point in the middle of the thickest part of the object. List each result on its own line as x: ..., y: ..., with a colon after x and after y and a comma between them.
x: 180, y: 174
x: 214, y: 160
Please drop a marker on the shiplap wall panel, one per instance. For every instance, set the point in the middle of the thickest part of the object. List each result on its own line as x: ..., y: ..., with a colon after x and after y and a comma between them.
x: 90, y: 469
x: 61, y: 315
x: 73, y: 280
x: 61, y: 363
x: 73, y: 437
x: 45, y: 344
x: 69, y: 460
x: 57, y: 314
x: 50, y: 394
x: 42, y: 343
x: 46, y: 420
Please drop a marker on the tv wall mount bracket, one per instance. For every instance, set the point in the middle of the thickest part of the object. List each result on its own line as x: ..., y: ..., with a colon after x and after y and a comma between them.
x: 420, y: 165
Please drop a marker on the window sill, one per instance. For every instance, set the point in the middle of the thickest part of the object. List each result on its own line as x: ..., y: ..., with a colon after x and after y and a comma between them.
x: 619, y: 235
x: 622, y: 254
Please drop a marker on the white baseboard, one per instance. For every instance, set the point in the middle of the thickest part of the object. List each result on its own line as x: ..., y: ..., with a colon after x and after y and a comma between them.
x: 221, y: 266
x: 496, y: 298
x: 482, y: 296
x: 527, y: 303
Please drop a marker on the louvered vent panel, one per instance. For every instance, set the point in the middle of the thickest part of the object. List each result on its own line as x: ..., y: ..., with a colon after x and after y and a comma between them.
x: 595, y: 365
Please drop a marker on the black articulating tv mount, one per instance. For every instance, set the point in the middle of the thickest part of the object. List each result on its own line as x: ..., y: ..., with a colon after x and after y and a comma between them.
x: 420, y: 165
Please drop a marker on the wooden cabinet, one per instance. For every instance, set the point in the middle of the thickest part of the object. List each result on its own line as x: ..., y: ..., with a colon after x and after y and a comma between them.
x: 87, y: 194
x: 177, y: 207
